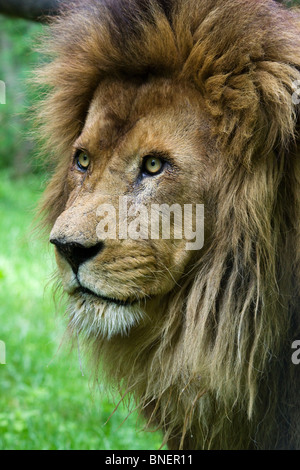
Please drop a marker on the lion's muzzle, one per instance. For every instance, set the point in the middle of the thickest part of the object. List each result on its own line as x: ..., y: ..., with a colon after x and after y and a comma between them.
x: 75, y: 253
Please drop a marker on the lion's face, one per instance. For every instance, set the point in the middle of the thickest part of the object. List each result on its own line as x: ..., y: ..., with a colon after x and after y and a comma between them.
x: 140, y: 145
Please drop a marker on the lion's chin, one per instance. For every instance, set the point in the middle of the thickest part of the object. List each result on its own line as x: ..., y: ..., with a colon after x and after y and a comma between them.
x: 102, y: 316
x: 111, y: 300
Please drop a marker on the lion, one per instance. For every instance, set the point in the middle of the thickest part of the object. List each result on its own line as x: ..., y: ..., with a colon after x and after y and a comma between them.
x: 181, y: 102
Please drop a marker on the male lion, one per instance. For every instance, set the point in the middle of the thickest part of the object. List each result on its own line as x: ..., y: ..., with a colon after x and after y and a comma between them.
x: 182, y: 102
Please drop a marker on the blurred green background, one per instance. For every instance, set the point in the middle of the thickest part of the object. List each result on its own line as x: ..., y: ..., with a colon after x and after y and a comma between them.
x: 45, y: 402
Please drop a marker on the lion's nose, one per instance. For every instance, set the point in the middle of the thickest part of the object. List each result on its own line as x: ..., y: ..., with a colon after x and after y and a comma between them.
x: 75, y: 253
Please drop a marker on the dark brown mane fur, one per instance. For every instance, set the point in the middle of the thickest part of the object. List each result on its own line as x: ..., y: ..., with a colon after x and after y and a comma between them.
x: 225, y: 339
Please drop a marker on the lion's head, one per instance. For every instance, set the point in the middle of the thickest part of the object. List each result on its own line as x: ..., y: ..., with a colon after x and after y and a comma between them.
x: 181, y: 104
x: 133, y: 154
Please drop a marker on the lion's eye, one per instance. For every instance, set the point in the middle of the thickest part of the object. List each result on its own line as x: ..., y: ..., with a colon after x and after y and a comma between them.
x: 82, y: 160
x: 152, y: 165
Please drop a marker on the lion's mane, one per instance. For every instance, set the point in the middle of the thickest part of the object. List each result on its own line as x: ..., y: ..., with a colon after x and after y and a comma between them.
x: 216, y: 372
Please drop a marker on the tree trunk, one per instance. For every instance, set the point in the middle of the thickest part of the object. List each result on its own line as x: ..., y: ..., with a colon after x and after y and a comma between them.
x: 36, y: 10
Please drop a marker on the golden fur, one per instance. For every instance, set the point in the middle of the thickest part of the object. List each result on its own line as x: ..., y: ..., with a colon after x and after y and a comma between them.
x: 208, y: 356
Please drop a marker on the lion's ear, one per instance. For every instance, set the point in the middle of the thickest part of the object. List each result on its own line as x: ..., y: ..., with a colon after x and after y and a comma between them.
x: 254, y: 113
x: 247, y: 76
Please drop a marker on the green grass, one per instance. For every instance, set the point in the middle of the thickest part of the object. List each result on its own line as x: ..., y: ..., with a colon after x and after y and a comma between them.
x: 45, y: 402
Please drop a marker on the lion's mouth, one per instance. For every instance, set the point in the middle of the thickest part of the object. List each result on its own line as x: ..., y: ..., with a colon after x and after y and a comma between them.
x: 123, y: 303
